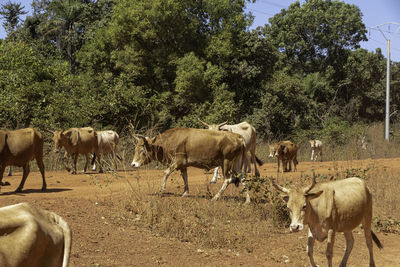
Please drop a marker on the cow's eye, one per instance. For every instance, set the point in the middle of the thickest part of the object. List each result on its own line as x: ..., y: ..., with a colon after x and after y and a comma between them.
x: 143, y: 151
x: 304, y: 206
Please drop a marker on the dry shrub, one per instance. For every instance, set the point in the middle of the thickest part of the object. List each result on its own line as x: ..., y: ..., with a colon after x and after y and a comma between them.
x: 198, y: 220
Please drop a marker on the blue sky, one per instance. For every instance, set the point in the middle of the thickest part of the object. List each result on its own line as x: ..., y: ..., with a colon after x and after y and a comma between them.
x: 375, y: 12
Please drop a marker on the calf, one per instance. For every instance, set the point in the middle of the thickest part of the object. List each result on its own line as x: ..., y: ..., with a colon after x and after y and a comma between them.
x: 285, y: 151
x: 33, y: 237
x: 330, y: 207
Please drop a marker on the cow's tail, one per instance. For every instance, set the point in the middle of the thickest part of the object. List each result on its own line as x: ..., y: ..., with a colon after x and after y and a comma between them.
x: 67, y: 238
x: 376, y: 240
x: 259, y: 161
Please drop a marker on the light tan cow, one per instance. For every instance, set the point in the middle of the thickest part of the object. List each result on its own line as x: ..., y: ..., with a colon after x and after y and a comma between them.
x: 18, y: 148
x: 107, y: 144
x: 77, y: 141
x: 316, y: 149
x: 33, y: 237
x: 180, y: 148
x: 285, y: 152
x: 248, y: 132
x: 330, y: 207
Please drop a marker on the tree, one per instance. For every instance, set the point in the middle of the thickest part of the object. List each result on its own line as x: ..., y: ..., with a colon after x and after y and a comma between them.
x: 317, y: 34
x: 11, y: 13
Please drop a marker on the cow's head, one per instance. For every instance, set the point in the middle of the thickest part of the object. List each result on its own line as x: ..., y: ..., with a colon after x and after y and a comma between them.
x: 298, y: 203
x: 59, y: 139
x: 215, y: 127
x: 272, y: 151
x: 143, y: 151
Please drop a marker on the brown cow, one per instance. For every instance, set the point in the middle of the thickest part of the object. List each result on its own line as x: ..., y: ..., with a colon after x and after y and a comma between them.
x: 33, y: 237
x: 180, y: 148
x: 285, y: 151
x: 248, y: 132
x: 330, y: 207
x: 77, y: 141
x: 18, y: 148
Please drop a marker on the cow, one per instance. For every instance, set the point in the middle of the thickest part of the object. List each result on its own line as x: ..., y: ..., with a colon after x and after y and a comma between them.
x: 247, y: 131
x: 180, y: 148
x: 330, y: 207
x: 316, y: 149
x: 107, y: 142
x: 18, y: 148
x: 33, y: 237
x: 285, y: 151
x: 77, y: 141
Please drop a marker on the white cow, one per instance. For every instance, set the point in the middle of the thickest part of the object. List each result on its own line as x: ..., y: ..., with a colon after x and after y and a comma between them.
x: 107, y: 143
x: 247, y: 131
x: 33, y: 237
x: 328, y: 208
x: 316, y: 149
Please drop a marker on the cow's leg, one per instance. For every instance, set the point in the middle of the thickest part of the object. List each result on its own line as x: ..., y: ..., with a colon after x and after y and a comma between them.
x: 329, y: 247
x: 278, y: 165
x: 253, y: 156
x: 227, y: 180
x: 99, y: 163
x: 25, y: 173
x: 349, y: 246
x: 75, y: 159
x: 41, y: 168
x: 246, y: 191
x: 9, y: 171
x: 215, y: 176
x: 247, y: 163
x: 310, y: 247
x: 93, y: 161
x: 320, y: 155
x: 368, y: 238
x: 86, y: 163
x: 166, y: 174
x: 2, y: 168
x: 312, y: 153
x: 65, y: 159
x: 185, y: 181
x: 221, y: 191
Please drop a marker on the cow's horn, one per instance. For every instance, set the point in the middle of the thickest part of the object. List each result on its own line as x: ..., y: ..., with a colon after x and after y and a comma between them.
x: 49, y: 131
x: 307, y: 189
x: 278, y: 187
x: 222, y: 124
x: 202, y: 122
x: 139, y: 136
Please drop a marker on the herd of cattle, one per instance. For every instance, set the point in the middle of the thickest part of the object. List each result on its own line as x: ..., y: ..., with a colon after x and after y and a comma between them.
x: 327, y: 208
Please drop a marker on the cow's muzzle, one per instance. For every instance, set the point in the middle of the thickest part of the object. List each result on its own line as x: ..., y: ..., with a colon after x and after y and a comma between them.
x: 135, y: 164
x: 295, y: 227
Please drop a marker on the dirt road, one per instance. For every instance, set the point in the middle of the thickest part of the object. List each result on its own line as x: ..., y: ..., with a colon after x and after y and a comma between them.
x: 100, y: 238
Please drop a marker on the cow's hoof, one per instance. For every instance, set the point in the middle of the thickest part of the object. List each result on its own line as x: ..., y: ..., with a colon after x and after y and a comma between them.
x: 74, y: 172
x: 101, y: 171
x: 44, y: 188
x: 185, y: 194
x: 19, y: 190
x: 213, y: 182
x: 5, y: 183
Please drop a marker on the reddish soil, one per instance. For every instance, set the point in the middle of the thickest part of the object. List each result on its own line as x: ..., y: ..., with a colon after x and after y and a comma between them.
x: 99, y: 239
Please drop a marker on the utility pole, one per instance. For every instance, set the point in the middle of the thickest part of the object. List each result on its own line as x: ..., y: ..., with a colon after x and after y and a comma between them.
x: 378, y: 27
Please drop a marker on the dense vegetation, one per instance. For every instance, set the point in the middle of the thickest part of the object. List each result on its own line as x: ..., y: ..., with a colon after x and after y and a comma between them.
x: 163, y: 63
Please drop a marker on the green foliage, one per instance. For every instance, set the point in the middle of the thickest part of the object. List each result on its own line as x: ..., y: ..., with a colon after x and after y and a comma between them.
x: 166, y: 63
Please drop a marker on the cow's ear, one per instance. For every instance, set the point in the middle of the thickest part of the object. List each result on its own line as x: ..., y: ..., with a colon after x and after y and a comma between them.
x: 3, y: 139
x: 285, y: 198
x: 313, y: 195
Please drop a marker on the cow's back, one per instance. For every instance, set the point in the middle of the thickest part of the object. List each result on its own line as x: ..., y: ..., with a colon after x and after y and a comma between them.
x: 33, y: 235
x: 351, y: 202
x: 107, y: 141
x: 21, y: 146
x: 200, y: 147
